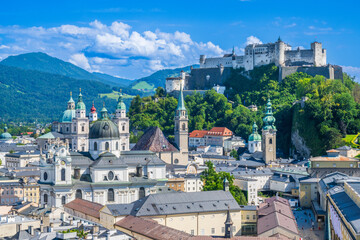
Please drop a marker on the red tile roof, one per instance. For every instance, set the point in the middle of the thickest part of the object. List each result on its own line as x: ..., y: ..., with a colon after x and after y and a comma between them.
x: 220, y: 131
x: 198, y: 133
x: 86, y: 207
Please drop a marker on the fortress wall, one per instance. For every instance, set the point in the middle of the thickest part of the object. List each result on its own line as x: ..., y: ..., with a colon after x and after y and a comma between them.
x: 330, y: 72
x: 215, y: 62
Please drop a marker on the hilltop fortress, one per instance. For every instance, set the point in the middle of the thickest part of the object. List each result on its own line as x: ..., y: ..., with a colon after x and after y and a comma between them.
x: 214, y: 71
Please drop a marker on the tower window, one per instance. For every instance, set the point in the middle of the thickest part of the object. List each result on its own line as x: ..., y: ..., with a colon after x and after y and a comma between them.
x: 123, y: 127
x: 107, y: 146
x: 184, y: 127
x: 270, y: 141
x: 45, y: 176
x: 45, y: 198
x: 78, y: 194
x: 63, y: 174
x: 117, y: 145
x: 83, y: 128
x: 63, y: 200
x: 95, y: 146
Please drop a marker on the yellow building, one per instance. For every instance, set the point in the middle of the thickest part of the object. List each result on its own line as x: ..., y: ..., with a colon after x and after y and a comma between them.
x: 333, y: 161
x: 344, y: 211
x: 308, y: 191
x: 32, y: 192
x: 176, y: 184
x: 189, y: 212
x: 248, y: 220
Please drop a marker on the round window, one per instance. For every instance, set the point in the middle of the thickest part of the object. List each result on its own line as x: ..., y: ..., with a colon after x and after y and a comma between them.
x: 111, y: 175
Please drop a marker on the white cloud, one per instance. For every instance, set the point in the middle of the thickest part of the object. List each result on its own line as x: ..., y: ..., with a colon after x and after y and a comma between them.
x: 80, y: 60
x: 113, y: 48
x: 352, y: 71
x: 290, y: 25
x: 252, y: 40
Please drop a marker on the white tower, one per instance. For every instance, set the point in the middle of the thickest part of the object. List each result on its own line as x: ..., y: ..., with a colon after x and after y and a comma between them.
x: 123, y: 124
x: 93, y: 114
x: 254, y: 143
x: 181, y: 124
x: 80, y: 127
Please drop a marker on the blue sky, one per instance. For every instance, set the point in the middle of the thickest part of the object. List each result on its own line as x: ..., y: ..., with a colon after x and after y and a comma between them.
x: 132, y: 39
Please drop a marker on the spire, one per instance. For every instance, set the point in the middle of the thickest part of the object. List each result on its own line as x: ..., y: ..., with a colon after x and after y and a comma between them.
x: 120, y: 104
x: 228, y: 225
x: 226, y: 184
x: 93, y: 109
x: 181, y: 104
x: 255, y: 128
x: 279, y: 39
x: 233, y: 51
x: 269, y: 119
x: 104, y: 112
x: 80, y: 104
x: 71, y: 99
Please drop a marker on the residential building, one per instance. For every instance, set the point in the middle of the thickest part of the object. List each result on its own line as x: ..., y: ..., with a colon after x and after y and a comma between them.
x: 21, y: 159
x: 308, y: 191
x: 348, y: 151
x: 197, y: 138
x: 11, y: 191
x: 193, y: 183
x: 12, y: 224
x: 176, y: 184
x: 276, y: 217
x: 233, y: 143
x: 217, y: 136
x: 188, y: 212
x: 84, y: 209
x: 249, y: 220
x: 282, y: 183
x: 333, y: 161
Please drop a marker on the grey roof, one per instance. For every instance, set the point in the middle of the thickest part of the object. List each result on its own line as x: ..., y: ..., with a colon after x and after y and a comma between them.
x: 177, y: 203
x: 213, y: 156
x: 79, y: 159
x: 7, y: 147
x: 347, y: 206
x: 51, y: 135
x: 107, y: 160
x: 251, y: 163
x: 355, y: 186
x: 23, y: 153
x: 258, y: 156
x: 22, y: 235
x: 154, y: 140
x: 249, y: 173
x: 141, y: 157
x: 344, y: 148
x: 104, y: 129
x: 284, y: 178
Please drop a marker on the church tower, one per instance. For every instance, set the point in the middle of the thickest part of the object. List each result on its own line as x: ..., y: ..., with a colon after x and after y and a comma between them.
x: 122, y: 123
x: 93, y: 114
x: 181, y: 124
x: 269, y: 135
x: 254, y: 142
x: 80, y: 127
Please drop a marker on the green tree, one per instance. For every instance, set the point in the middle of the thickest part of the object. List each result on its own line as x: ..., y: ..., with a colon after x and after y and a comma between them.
x: 214, y: 181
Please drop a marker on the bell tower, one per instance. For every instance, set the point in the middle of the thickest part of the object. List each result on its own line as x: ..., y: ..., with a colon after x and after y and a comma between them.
x: 181, y: 124
x: 80, y: 127
x: 122, y: 122
x: 269, y: 135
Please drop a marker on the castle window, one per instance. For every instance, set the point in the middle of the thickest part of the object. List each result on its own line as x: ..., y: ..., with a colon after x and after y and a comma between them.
x: 270, y: 141
x: 78, y: 194
x: 63, y: 200
x: 45, y: 198
x: 45, y: 176
x: 111, y: 195
x: 63, y: 174
x: 107, y: 146
x: 95, y: 146
x: 117, y: 145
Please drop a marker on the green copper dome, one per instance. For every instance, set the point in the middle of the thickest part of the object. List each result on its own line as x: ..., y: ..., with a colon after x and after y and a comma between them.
x: 104, y: 128
x: 181, y: 103
x: 80, y: 104
x: 255, y: 136
x: 5, y: 135
x: 120, y: 104
x: 67, y: 116
x: 269, y: 120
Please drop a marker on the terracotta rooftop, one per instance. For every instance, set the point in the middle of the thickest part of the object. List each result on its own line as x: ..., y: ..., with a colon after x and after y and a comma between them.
x: 198, y: 133
x: 86, y: 207
x: 332, y: 151
x: 220, y: 131
x: 337, y: 158
x: 154, y: 140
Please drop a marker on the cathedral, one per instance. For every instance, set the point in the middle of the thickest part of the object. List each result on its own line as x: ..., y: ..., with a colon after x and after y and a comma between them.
x: 75, y: 126
x: 93, y: 162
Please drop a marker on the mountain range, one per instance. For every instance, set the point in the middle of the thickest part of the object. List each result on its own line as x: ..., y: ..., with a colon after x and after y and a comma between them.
x: 36, y: 86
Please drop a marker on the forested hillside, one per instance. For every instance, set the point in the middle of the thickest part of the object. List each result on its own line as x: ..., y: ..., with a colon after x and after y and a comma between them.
x: 331, y: 109
x: 28, y: 95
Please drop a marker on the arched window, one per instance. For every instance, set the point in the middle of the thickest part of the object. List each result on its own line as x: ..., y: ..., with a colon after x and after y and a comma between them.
x: 107, y: 146
x: 78, y: 194
x: 141, y: 192
x: 45, y: 198
x: 270, y: 141
x: 117, y: 145
x: 123, y: 127
x: 184, y: 127
x: 83, y: 128
x: 123, y: 148
x: 63, y: 200
x: 95, y: 146
x: 45, y: 176
x: 63, y: 174
x: 67, y: 129
x: 111, y: 195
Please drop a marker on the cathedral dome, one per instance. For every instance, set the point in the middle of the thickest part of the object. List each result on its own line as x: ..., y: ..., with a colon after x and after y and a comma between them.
x: 5, y: 135
x: 104, y: 128
x: 68, y: 115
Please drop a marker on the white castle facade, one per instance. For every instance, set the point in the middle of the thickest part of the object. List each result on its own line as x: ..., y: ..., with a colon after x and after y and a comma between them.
x: 279, y: 53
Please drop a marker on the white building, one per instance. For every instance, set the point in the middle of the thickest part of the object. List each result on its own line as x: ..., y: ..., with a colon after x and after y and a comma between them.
x: 254, y: 143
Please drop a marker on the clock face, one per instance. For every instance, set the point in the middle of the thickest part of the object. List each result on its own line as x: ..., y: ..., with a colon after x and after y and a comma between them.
x: 62, y: 162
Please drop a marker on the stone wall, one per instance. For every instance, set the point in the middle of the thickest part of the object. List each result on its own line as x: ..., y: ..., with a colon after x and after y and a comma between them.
x: 329, y: 71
